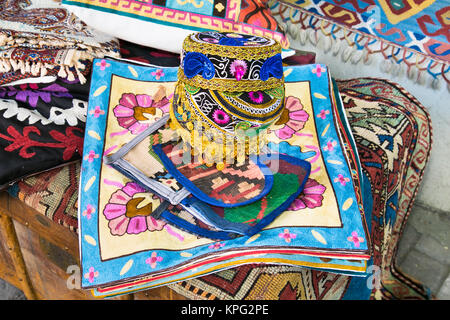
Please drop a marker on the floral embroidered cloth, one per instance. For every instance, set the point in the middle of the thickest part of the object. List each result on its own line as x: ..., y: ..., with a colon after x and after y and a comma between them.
x: 40, y: 37
x: 41, y: 127
x: 123, y: 248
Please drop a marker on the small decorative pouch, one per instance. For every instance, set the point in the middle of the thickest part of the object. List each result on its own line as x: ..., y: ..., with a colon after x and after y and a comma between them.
x: 201, y: 199
x: 288, y: 175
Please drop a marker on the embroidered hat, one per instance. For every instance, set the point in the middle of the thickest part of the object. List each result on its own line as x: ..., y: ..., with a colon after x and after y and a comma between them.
x: 230, y: 89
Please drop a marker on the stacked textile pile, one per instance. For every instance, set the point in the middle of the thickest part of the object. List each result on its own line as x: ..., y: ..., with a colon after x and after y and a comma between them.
x: 40, y: 38
x: 125, y: 246
x: 46, y: 58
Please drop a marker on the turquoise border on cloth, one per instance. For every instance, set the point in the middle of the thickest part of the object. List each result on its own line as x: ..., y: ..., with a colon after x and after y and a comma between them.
x: 109, y: 270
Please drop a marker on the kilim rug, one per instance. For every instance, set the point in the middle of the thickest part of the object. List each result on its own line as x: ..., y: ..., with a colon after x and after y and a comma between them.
x: 393, y: 136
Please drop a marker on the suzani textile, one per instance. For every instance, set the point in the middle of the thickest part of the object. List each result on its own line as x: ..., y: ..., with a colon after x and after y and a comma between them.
x: 41, y: 127
x: 40, y: 37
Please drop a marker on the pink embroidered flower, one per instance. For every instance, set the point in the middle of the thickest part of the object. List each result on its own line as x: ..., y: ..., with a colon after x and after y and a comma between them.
x: 103, y: 64
x: 128, y: 211
x: 216, y: 245
x: 91, y: 156
x: 323, y: 114
x: 355, y: 239
x: 238, y: 69
x: 154, y: 258
x: 287, y: 236
x: 88, y: 212
x: 256, y: 96
x: 311, y: 197
x: 136, y: 112
x: 293, y: 118
x: 158, y: 73
x: 154, y: 225
x: 318, y: 70
x: 97, y: 112
x: 341, y: 179
x: 220, y: 117
x: 91, y: 274
x: 330, y: 146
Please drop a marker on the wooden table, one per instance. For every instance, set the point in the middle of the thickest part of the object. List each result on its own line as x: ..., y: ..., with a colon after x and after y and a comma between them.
x: 36, y: 253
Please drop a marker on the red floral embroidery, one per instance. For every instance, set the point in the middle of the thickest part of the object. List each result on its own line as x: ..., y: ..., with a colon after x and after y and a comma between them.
x: 70, y: 142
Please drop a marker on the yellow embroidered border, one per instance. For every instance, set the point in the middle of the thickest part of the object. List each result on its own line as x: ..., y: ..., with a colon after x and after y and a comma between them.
x: 214, y: 152
x: 234, y: 52
x: 230, y: 85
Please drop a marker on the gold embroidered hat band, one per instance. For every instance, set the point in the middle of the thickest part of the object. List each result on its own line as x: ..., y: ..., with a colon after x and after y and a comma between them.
x: 230, y: 89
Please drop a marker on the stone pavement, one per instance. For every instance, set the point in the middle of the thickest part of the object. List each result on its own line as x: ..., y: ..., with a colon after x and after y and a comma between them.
x: 8, y: 292
x: 423, y: 253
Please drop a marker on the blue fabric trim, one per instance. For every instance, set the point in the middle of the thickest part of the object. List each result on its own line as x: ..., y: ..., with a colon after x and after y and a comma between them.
x: 357, y: 288
x: 170, y: 167
x: 192, y: 228
x: 341, y: 111
x: 217, y: 221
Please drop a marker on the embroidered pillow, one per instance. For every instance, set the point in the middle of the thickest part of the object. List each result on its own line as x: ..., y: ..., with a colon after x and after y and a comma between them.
x: 163, y: 24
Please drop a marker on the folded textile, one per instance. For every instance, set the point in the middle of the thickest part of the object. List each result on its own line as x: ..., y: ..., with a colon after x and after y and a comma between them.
x: 40, y: 37
x: 122, y: 244
x: 41, y: 127
x: 363, y: 99
x: 13, y: 77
